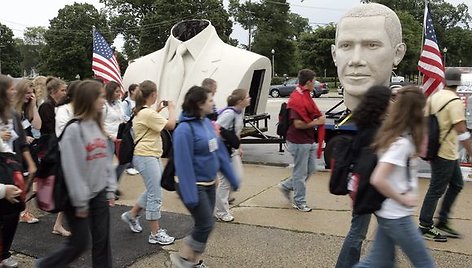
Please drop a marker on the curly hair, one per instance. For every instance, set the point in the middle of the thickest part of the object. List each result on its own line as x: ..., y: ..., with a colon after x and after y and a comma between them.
x: 372, y: 108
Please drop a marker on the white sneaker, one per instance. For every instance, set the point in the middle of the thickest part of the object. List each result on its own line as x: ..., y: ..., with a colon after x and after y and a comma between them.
x: 225, y: 218
x: 161, y: 238
x: 9, y: 263
x: 132, y: 222
x: 132, y: 171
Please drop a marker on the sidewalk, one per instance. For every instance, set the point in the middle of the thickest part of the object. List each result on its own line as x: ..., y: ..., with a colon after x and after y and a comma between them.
x: 268, y: 232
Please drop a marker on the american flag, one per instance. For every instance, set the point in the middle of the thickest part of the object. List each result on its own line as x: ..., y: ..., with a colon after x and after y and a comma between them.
x: 430, y: 63
x: 104, y: 63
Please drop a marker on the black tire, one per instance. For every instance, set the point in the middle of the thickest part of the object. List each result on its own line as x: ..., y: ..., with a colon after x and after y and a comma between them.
x: 328, y: 151
x: 274, y: 93
x: 317, y: 95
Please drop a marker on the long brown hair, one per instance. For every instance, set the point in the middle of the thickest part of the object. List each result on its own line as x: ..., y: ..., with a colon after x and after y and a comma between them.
x: 86, y: 95
x: 5, y: 83
x: 143, y: 92
x: 21, y: 90
x: 405, y: 114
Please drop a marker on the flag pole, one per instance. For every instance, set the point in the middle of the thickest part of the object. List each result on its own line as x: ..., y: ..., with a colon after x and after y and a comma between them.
x: 422, y: 38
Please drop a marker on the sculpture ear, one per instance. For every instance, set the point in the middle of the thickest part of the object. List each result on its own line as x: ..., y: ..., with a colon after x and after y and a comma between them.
x: 400, y: 50
x: 333, y: 53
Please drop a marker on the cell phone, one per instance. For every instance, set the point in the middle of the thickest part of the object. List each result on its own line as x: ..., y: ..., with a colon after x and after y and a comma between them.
x: 165, y: 103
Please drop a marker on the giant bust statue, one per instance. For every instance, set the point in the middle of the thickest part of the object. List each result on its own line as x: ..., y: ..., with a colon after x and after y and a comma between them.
x: 194, y: 52
x: 367, y: 47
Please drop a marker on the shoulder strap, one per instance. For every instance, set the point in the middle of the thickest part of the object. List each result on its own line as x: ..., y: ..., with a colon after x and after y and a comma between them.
x: 73, y: 120
x: 444, y: 106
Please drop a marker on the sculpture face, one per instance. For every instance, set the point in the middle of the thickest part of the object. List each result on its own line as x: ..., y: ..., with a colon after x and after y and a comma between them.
x: 364, y: 56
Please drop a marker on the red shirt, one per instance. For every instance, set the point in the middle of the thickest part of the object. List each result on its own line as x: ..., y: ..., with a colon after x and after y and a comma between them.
x: 299, y: 136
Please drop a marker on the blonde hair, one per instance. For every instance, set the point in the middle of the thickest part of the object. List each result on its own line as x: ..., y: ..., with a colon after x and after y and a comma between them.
x: 405, y: 114
x: 53, y: 84
x: 21, y: 90
x: 39, y: 84
x: 236, y: 96
x: 144, y: 90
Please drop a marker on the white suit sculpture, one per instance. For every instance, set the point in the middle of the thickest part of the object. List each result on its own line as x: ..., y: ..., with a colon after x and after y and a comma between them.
x: 194, y: 52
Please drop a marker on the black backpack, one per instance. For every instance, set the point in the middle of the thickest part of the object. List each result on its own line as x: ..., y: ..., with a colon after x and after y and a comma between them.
x: 341, y: 164
x: 127, y: 144
x: 284, y: 121
x: 433, y: 134
x: 52, y: 194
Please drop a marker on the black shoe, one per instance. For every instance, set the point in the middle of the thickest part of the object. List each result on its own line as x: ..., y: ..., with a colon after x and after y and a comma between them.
x: 448, y: 231
x: 432, y: 234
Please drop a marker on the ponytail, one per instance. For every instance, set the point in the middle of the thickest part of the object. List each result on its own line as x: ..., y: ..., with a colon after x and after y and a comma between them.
x: 143, y: 92
x: 236, y: 96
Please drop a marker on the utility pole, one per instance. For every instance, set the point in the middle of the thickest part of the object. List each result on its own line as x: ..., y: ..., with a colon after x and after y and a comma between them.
x: 249, y: 27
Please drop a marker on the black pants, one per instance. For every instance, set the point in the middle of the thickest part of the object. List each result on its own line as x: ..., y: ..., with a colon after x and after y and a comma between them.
x: 97, y: 224
x: 8, y: 225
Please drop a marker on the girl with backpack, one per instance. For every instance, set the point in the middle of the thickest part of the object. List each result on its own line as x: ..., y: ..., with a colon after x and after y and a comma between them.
x: 90, y: 179
x: 397, y: 144
x: 231, y: 118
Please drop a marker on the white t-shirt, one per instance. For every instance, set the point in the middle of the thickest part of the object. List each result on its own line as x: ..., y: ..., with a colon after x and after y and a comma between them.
x: 229, y: 117
x: 64, y: 113
x: 113, y: 117
x: 397, y: 154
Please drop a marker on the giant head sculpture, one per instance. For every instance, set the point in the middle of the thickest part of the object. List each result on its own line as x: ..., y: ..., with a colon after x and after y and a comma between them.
x: 367, y: 47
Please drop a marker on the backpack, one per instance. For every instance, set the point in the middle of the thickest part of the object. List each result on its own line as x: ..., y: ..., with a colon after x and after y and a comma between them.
x: 341, y: 164
x: 126, y: 145
x: 51, y: 189
x: 11, y: 173
x: 230, y: 139
x: 431, y: 143
x: 284, y: 121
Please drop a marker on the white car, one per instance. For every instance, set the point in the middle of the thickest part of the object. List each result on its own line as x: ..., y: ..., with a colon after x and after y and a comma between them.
x: 396, y: 78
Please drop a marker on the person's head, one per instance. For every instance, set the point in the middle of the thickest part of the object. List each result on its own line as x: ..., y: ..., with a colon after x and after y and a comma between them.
x: 71, y: 88
x: 56, y: 88
x: 198, y: 102
x: 89, y: 99
x: 112, y: 91
x: 405, y: 115
x: 24, y: 94
x: 7, y: 95
x: 145, y: 94
x: 306, y: 78
x: 368, y: 45
x: 371, y: 110
x: 210, y: 84
x: 452, y: 78
x: 239, y: 97
x: 39, y: 84
x: 132, y: 91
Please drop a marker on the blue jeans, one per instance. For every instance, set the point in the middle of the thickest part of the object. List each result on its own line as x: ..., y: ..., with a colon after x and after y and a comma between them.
x: 351, y: 250
x: 202, y: 214
x: 445, y: 174
x: 150, y: 168
x: 404, y: 233
x: 304, y: 166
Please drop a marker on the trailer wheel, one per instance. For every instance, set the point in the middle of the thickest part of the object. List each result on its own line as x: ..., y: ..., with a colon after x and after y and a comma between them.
x: 328, y: 151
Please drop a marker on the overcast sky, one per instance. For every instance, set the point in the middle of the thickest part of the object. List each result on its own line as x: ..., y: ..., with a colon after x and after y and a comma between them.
x: 19, y: 14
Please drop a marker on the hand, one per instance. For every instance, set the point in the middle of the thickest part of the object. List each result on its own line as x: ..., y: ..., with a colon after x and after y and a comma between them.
x: 29, y: 139
x: 409, y: 199
x: 6, y: 135
x: 32, y: 99
x: 321, y: 120
x: 111, y: 202
x: 11, y: 193
x: 170, y: 105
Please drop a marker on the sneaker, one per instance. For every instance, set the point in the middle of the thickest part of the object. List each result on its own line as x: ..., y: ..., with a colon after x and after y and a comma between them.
x: 432, y: 234
x: 302, y: 208
x: 11, y: 263
x: 225, y: 218
x: 132, y: 171
x: 446, y: 228
x: 179, y: 262
x: 161, y: 238
x: 132, y: 222
x: 285, y: 192
x: 28, y: 218
x: 200, y: 264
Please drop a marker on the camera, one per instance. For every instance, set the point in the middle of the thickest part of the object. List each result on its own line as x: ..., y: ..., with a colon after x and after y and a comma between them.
x: 165, y: 103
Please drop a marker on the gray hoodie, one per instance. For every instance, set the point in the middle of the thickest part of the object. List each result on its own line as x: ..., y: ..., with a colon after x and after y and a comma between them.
x: 87, y: 168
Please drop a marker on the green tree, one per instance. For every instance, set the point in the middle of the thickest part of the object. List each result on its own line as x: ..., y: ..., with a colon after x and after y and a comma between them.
x: 30, y: 48
x: 146, y: 24
x: 69, y: 41
x: 315, y: 50
x: 411, y: 30
x: 10, y: 57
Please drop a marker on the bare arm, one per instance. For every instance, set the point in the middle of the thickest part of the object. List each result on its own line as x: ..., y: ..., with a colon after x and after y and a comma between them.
x: 171, y: 121
x: 300, y: 124
x: 461, y: 128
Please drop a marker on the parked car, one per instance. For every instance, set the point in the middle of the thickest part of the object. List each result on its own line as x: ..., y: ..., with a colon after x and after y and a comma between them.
x: 289, y: 86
